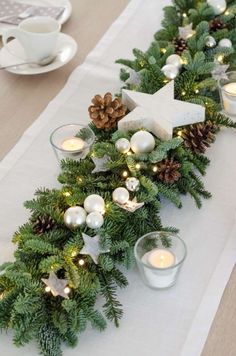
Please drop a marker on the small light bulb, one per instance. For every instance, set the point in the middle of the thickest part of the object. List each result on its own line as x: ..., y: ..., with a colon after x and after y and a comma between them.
x: 183, y: 93
x: 1, y: 296
x: 125, y: 174
x: 179, y: 133
x: 81, y: 262
x: 80, y: 179
x: 67, y: 290
x: 220, y: 58
x: 138, y: 166
x: 129, y: 153
x: 74, y: 253
x: 227, y: 13
x: 196, y: 91
x: 47, y: 289
x: 154, y: 169
x: 165, y: 81
x: 184, y: 14
x: 163, y: 50
x: 67, y: 194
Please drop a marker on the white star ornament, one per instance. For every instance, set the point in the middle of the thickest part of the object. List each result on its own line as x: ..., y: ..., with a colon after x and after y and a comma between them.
x: 159, y: 113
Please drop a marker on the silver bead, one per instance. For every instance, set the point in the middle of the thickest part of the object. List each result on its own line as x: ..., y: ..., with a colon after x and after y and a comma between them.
x: 75, y: 216
x: 210, y: 42
x: 94, y: 220
x: 122, y: 145
x: 219, y: 6
x: 175, y: 60
x: 142, y: 142
x: 132, y: 184
x: 120, y: 195
x: 93, y: 203
x: 225, y: 42
x: 170, y: 71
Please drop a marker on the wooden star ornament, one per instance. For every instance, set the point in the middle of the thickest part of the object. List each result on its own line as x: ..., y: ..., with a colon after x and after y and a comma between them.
x: 159, y: 113
x: 92, y: 247
x: 57, y: 286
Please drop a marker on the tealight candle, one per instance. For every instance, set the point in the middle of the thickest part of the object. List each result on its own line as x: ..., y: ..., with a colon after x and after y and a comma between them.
x: 73, y: 144
x: 158, y: 265
x: 160, y: 258
x: 229, y: 98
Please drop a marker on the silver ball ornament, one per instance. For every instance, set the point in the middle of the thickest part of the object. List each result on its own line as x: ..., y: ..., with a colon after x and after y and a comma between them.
x: 132, y: 184
x: 94, y: 203
x: 219, y: 6
x: 170, y: 71
x: 142, y: 142
x: 175, y: 60
x: 210, y: 42
x: 94, y: 220
x: 120, y: 195
x: 225, y: 42
x: 75, y: 216
x: 122, y: 145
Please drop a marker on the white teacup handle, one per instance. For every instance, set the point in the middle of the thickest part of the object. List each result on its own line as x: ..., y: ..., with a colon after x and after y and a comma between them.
x: 11, y: 33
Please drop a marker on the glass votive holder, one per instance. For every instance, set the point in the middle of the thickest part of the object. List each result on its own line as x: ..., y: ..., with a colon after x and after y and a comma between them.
x: 72, y: 141
x: 160, y: 256
x: 227, y: 88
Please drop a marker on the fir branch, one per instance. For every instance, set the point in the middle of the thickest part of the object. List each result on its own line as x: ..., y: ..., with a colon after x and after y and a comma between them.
x: 112, y: 307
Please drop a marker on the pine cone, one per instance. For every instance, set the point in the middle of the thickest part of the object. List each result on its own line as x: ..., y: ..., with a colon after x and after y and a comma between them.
x: 168, y: 171
x: 216, y: 24
x: 180, y: 45
x: 106, y: 112
x: 43, y: 224
x: 198, y: 137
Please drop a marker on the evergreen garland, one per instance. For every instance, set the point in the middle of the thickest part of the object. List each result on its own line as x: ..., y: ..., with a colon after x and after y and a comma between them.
x: 45, y: 244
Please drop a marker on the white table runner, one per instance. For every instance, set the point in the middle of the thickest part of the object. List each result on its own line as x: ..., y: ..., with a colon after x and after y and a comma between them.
x: 174, y: 322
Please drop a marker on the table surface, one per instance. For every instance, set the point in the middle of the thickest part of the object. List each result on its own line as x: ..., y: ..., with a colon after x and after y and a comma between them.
x: 22, y: 99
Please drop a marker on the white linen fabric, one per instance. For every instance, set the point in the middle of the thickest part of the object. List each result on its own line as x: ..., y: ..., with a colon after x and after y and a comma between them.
x: 174, y: 322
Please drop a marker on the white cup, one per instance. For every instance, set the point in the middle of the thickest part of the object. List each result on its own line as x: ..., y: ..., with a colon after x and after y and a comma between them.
x: 37, y: 35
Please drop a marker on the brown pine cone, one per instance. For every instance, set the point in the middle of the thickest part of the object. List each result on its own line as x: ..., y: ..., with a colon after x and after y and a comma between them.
x: 180, y: 45
x: 168, y: 171
x: 106, y: 112
x: 43, y: 224
x: 198, y: 137
x: 216, y: 24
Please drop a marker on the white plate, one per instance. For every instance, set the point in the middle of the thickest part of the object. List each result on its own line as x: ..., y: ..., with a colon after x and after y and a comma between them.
x: 66, y: 49
x: 62, y: 19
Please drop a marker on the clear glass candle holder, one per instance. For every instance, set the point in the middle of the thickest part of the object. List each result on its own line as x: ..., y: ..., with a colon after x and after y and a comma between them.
x: 227, y: 88
x: 72, y: 141
x: 160, y: 256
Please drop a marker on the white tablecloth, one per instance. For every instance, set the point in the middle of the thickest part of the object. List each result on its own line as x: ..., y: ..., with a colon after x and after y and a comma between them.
x: 174, y: 322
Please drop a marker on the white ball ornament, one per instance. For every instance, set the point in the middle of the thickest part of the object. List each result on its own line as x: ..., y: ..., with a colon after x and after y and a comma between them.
x: 175, y: 60
x: 94, y: 203
x: 75, y: 216
x: 94, y: 220
x: 122, y: 145
x: 210, y: 42
x: 225, y: 42
x: 132, y: 184
x: 120, y: 195
x: 219, y: 6
x: 142, y: 142
x: 170, y: 71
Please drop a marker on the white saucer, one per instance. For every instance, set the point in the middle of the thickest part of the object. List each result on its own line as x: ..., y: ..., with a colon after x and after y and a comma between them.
x: 62, y: 19
x: 66, y: 49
